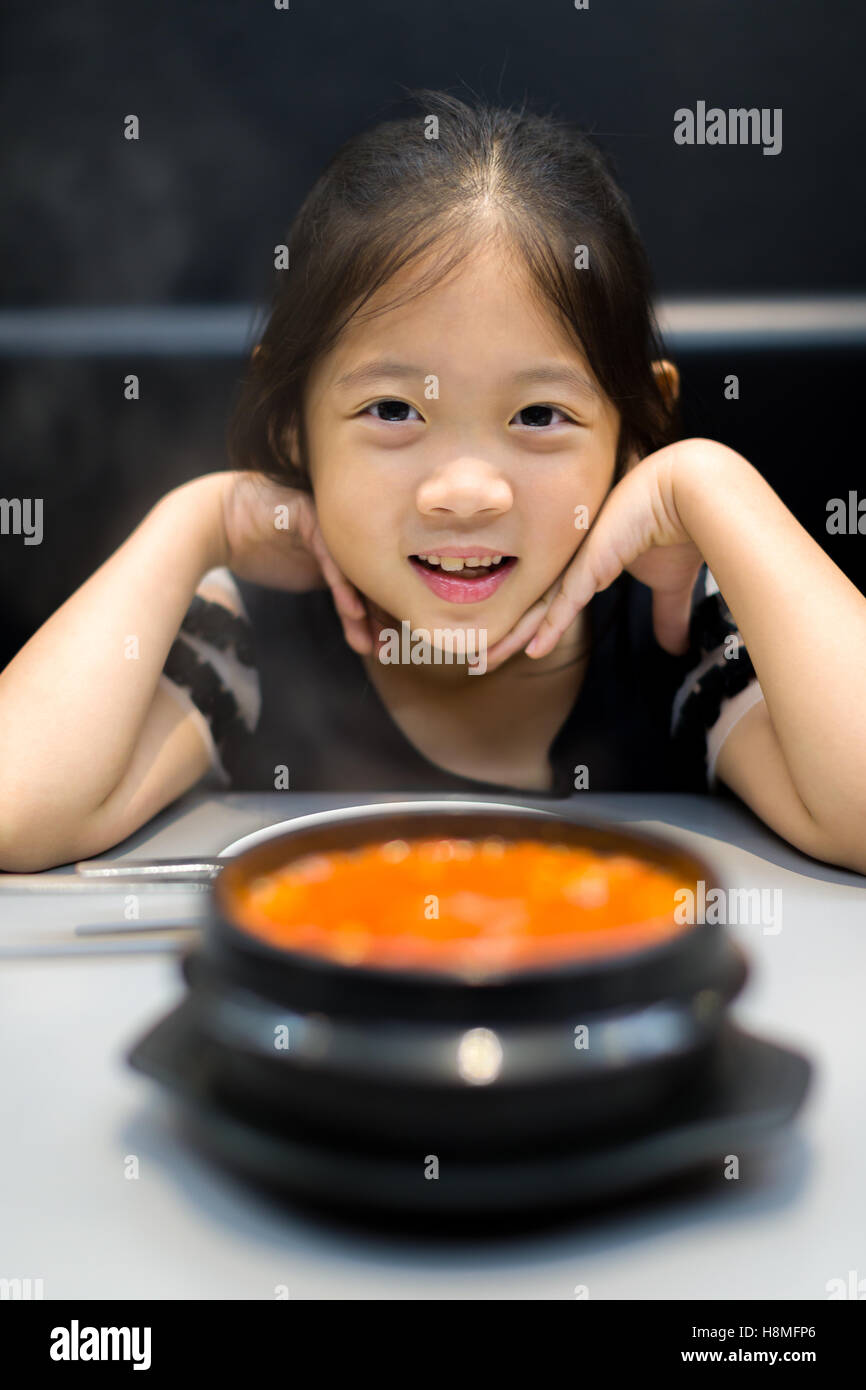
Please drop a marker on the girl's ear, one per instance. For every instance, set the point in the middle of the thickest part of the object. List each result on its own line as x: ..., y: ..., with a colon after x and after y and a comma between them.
x: 667, y: 379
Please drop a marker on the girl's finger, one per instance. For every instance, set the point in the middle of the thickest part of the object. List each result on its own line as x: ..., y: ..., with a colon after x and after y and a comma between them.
x: 358, y: 630
x: 553, y: 624
x: 560, y: 614
x: 591, y: 570
x: 350, y: 605
x: 346, y: 596
x: 357, y: 634
x: 515, y: 639
x: 521, y: 632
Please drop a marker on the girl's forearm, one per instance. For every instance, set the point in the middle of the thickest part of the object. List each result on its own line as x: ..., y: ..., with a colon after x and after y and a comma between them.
x: 803, y: 623
x: 73, y: 700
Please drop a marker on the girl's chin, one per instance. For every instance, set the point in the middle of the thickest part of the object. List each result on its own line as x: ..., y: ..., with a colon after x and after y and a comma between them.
x: 454, y: 621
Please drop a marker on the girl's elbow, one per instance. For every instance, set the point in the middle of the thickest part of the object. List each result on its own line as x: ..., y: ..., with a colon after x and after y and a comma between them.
x: 31, y: 847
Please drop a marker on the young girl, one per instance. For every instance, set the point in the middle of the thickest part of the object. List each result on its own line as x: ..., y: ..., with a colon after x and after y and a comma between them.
x: 458, y: 433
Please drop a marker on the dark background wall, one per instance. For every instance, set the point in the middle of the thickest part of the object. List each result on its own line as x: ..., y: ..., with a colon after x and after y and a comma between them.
x: 240, y: 104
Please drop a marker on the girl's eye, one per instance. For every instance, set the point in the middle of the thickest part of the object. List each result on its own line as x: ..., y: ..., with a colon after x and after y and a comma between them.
x: 393, y: 412
x: 539, y: 415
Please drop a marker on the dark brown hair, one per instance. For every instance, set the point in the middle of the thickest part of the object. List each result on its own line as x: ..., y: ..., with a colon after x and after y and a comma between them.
x: 392, y: 194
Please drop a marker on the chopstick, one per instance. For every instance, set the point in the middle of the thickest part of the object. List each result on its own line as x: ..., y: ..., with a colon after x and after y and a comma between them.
x: 134, y: 926
x: 100, y: 938
x: 132, y: 870
x: 94, y: 875
x: 102, y: 946
x: 71, y: 883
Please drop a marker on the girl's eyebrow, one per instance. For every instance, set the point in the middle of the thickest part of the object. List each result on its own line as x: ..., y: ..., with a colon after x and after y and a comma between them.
x: 372, y: 371
x: 553, y: 374
x: 556, y: 374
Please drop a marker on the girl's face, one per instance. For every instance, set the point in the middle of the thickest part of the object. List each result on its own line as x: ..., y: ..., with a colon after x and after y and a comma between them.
x: 464, y: 422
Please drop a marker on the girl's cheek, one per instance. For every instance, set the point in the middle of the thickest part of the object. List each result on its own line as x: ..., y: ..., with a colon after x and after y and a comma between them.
x: 347, y: 526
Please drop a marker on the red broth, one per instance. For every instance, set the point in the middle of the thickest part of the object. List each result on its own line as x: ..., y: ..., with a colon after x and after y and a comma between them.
x: 461, y: 905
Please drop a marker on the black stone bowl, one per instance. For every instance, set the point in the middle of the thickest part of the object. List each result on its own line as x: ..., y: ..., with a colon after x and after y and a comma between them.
x: 503, y: 1064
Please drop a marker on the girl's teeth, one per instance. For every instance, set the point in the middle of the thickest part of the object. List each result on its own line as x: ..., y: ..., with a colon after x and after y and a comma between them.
x: 452, y: 563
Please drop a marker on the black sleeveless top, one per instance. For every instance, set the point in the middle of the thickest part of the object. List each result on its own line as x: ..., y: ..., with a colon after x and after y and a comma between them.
x: 283, y: 701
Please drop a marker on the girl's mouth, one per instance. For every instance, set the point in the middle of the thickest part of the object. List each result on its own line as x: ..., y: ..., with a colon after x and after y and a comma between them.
x: 466, y: 585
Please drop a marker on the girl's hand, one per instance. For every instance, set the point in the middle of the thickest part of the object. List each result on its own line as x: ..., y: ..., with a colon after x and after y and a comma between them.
x: 272, y: 538
x: 637, y: 529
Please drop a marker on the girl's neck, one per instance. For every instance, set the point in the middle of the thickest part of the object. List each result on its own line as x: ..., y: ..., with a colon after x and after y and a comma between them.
x: 497, y: 727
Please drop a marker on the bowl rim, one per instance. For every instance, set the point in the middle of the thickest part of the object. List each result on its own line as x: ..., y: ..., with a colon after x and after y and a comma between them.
x: 336, y: 814
x: 657, y: 847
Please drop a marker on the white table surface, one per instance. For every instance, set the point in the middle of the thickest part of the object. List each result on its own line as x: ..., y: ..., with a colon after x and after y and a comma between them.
x: 73, y: 1110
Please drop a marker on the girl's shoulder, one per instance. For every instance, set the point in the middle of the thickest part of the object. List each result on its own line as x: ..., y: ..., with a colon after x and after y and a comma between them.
x: 211, y: 666
x: 260, y: 667
x: 718, y: 682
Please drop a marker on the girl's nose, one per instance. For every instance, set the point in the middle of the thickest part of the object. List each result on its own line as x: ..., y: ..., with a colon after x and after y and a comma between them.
x: 465, y: 487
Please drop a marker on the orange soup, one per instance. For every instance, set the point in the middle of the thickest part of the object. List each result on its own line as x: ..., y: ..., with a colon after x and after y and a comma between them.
x: 464, y: 905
